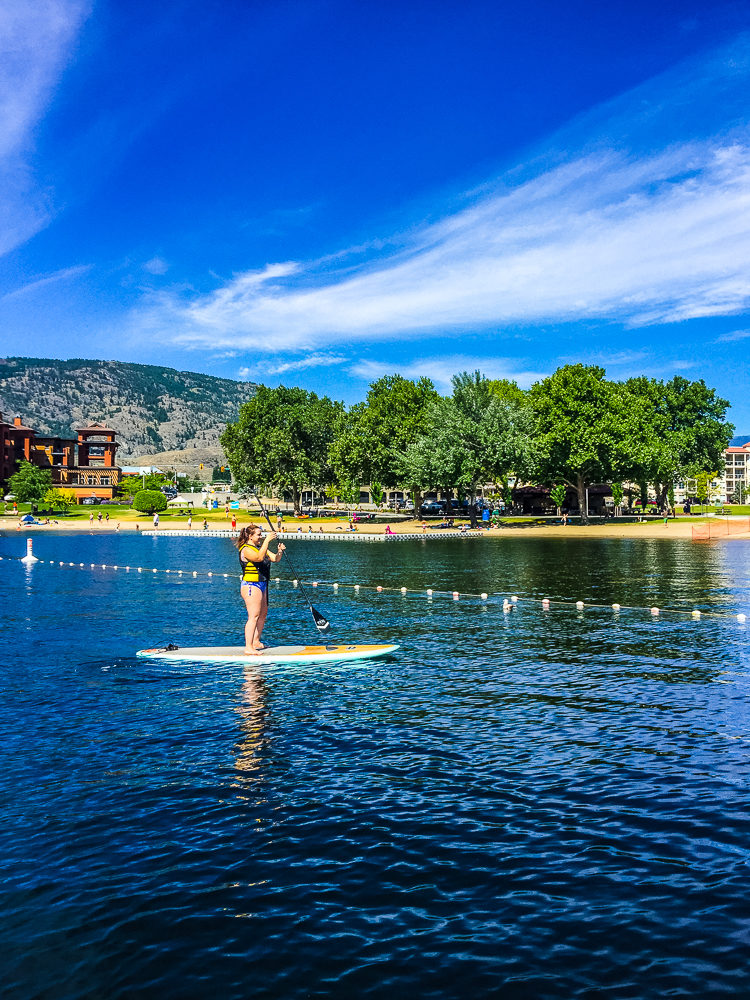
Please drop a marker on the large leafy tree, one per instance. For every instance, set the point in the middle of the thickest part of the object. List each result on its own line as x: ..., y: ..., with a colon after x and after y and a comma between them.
x: 281, y: 440
x: 375, y: 434
x: 585, y: 429
x: 30, y: 483
x: 473, y: 436
x: 685, y: 425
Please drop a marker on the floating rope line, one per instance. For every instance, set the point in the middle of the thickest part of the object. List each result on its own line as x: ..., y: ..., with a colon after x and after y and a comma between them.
x: 320, y: 536
x: 507, y: 604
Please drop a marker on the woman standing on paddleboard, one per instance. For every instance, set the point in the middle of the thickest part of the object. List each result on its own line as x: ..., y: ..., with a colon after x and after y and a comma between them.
x: 255, y: 560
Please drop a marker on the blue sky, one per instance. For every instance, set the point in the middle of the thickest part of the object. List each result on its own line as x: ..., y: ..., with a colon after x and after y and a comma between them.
x: 321, y: 193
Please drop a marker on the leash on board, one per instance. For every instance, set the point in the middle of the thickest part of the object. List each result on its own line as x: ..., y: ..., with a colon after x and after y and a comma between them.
x: 321, y: 622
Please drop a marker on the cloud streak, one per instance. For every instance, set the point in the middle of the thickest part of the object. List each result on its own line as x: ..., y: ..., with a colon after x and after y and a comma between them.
x: 441, y: 369
x: 35, y: 41
x: 611, y: 234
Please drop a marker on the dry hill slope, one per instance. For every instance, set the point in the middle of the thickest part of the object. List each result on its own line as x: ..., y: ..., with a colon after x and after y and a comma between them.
x: 154, y: 409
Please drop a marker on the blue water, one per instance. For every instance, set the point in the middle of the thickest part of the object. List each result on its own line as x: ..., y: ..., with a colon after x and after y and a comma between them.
x: 525, y: 806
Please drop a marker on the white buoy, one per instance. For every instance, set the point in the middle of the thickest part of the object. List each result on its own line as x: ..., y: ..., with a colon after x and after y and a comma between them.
x: 615, y: 607
x: 140, y: 569
x: 741, y: 618
x: 483, y: 596
x: 315, y: 583
x: 29, y: 558
x: 514, y: 598
x: 403, y: 590
x: 208, y: 574
x: 545, y: 602
x: 654, y: 612
x: 455, y: 595
x: 696, y: 613
x: 335, y: 586
x: 195, y: 573
x: 429, y: 593
x: 295, y: 583
x: 154, y: 570
x: 356, y: 587
x: 579, y: 605
x: 379, y: 589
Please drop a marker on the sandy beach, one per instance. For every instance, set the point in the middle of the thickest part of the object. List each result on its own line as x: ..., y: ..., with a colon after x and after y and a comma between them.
x: 678, y: 528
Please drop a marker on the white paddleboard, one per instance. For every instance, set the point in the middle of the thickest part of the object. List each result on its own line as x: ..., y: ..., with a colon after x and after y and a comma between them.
x: 273, y: 654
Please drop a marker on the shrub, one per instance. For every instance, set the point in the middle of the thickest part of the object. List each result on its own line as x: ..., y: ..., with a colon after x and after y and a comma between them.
x: 149, y: 501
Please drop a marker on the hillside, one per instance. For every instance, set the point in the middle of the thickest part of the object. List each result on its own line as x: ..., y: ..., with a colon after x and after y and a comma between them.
x: 153, y: 409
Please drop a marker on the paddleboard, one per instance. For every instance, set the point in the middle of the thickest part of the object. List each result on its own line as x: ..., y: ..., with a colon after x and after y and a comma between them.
x: 273, y: 654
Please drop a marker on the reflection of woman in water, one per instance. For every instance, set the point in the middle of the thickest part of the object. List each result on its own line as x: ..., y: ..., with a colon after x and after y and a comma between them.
x: 255, y: 560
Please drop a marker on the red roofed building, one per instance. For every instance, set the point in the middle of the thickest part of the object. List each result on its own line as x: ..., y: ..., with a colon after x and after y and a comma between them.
x: 85, y: 466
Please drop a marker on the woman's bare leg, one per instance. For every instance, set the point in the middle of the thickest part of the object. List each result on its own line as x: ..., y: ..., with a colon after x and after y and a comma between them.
x: 253, y: 599
x: 261, y: 622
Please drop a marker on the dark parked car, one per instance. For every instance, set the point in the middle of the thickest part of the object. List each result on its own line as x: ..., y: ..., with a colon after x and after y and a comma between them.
x: 433, y: 507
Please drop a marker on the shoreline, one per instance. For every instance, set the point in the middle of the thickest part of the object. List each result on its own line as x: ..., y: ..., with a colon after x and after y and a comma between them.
x: 679, y: 528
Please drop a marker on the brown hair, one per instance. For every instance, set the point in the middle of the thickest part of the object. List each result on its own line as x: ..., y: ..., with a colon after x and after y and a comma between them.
x: 244, y: 535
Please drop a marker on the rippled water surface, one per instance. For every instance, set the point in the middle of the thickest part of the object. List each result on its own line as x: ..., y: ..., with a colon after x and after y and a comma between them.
x: 521, y: 805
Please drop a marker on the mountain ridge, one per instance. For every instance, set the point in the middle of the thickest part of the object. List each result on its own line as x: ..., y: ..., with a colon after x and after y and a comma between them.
x: 153, y: 408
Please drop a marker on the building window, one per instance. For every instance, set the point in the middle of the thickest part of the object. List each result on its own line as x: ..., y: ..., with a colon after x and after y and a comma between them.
x: 104, y: 481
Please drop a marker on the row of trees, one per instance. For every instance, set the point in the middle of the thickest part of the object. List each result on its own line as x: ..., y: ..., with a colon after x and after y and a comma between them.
x: 572, y: 429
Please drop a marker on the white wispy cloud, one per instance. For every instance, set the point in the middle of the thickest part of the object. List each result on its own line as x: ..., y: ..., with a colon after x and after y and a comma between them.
x: 156, y: 265
x: 64, y: 274
x: 611, y: 234
x: 35, y: 42
x: 274, y: 366
x: 732, y: 336
x: 441, y: 369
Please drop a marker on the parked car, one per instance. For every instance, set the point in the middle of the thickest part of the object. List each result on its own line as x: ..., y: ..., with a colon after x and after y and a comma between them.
x: 433, y: 507
x: 90, y: 500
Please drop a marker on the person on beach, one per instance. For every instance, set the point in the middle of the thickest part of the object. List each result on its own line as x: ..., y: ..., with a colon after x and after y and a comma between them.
x: 234, y: 521
x: 91, y: 519
x: 190, y: 521
x: 99, y: 517
x: 255, y: 560
x: 156, y: 520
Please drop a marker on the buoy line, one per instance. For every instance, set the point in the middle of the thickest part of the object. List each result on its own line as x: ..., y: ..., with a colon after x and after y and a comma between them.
x: 507, y: 604
x: 318, y: 536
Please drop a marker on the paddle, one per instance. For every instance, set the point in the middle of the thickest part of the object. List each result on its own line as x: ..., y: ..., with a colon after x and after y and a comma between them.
x: 321, y: 622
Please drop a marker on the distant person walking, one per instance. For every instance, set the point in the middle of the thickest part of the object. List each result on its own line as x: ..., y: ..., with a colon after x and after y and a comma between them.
x: 156, y: 520
x: 91, y: 519
x: 190, y: 521
x: 234, y: 521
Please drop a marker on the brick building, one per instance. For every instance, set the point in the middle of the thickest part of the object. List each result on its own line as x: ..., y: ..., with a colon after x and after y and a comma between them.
x: 85, y: 465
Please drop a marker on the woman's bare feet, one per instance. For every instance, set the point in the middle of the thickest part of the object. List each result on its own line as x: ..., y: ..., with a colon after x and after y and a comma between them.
x: 251, y: 652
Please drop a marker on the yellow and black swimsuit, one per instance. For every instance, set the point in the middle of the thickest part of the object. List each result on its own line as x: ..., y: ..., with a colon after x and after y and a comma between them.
x: 257, y: 573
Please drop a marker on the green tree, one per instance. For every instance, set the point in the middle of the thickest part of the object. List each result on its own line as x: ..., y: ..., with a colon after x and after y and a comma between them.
x: 473, y: 437
x: 376, y: 492
x: 584, y: 429
x: 703, y: 486
x: 30, y: 483
x: 347, y: 491
x: 617, y: 494
x: 681, y: 431
x: 281, y: 440
x: 557, y: 496
x: 375, y: 434
x: 150, y: 501
x: 61, y: 500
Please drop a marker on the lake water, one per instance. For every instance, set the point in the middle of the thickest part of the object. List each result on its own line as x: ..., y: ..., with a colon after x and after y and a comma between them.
x: 526, y: 805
